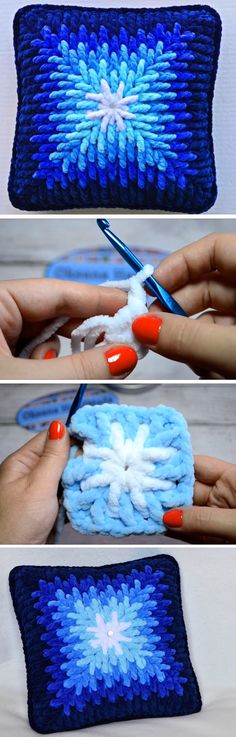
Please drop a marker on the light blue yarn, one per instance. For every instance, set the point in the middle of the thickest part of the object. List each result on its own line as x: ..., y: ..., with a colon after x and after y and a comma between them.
x: 88, y: 510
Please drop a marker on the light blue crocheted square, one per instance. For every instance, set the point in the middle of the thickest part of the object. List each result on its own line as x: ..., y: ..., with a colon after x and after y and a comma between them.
x: 136, y: 464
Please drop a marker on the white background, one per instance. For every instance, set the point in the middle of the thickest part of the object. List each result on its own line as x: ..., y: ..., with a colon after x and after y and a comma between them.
x: 224, y: 102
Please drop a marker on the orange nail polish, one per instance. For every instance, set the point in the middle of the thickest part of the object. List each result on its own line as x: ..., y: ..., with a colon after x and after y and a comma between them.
x: 121, y: 360
x: 56, y: 430
x: 50, y: 354
x: 147, y: 328
x: 173, y: 518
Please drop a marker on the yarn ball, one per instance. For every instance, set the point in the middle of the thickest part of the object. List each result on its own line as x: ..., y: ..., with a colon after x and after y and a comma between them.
x: 136, y: 464
x: 115, y: 108
x: 104, y: 644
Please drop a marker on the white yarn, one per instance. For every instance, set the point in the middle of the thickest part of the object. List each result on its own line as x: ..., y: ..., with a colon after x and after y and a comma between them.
x: 113, y: 107
x: 116, y: 328
x: 109, y: 634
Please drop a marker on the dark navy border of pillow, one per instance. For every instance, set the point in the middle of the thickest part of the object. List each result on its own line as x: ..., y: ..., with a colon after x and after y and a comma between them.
x: 53, y: 200
x: 24, y: 579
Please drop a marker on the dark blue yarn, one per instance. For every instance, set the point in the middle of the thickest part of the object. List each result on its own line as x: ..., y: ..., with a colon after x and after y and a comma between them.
x: 163, y: 157
x: 75, y: 681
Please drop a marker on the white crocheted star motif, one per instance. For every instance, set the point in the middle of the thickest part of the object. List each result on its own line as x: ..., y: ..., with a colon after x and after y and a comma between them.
x: 127, y: 467
x: 113, y: 107
x: 109, y: 634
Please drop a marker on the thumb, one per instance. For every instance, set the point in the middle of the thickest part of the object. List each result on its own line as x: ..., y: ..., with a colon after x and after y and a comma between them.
x: 98, y: 363
x: 47, y: 473
x: 193, y: 342
x: 209, y: 521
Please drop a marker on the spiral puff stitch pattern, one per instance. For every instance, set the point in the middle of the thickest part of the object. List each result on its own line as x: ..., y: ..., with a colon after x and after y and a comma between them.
x: 115, y: 108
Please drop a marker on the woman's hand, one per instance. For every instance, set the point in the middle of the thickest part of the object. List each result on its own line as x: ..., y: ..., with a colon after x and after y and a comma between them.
x: 214, y: 512
x: 29, y: 481
x: 201, y: 277
x: 28, y: 305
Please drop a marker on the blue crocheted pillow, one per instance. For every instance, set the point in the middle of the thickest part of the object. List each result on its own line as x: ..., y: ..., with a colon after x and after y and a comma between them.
x: 115, y: 108
x: 104, y: 644
x: 137, y: 462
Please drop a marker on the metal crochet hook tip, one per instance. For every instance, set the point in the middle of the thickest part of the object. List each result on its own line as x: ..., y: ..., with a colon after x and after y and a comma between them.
x: 165, y: 299
x: 103, y: 223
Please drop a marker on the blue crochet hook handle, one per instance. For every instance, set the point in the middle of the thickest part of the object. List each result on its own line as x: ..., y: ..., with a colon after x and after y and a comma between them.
x: 77, y: 401
x: 61, y: 517
x: 156, y: 289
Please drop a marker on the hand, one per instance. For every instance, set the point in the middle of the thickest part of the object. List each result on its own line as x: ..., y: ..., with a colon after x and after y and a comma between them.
x: 29, y: 481
x: 201, y: 277
x: 214, y: 512
x: 27, y: 305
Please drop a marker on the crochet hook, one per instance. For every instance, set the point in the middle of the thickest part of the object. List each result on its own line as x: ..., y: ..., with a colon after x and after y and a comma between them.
x: 61, y: 517
x: 77, y: 401
x: 168, y: 302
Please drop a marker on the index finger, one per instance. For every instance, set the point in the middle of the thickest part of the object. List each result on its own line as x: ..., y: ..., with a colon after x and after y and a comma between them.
x: 44, y: 299
x: 215, y: 252
x: 208, y: 469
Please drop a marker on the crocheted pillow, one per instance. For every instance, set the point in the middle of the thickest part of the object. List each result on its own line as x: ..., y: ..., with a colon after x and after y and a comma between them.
x: 103, y: 644
x: 115, y: 108
x: 136, y: 463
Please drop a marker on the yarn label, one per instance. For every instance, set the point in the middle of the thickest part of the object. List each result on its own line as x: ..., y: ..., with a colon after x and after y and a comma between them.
x: 98, y: 265
x: 37, y: 414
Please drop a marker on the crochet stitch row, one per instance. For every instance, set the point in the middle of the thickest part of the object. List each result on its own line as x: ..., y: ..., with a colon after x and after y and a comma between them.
x: 115, y: 108
x: 104, y: 644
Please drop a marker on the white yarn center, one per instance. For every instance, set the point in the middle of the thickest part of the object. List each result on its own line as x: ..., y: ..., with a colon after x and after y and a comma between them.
x: 127, y: 467
x: 113, y: 107
x: 116, y: 328
x: 109, y: 634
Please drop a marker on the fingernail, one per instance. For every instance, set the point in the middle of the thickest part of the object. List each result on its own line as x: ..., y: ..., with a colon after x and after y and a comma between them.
x: 121, y: 359
x: 147, y: 328
x: 50, y: 354
x: 173, y: 518
x: 56, y: 430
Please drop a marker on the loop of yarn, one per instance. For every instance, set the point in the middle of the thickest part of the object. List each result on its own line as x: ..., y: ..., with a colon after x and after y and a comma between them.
x: 117, y: 328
